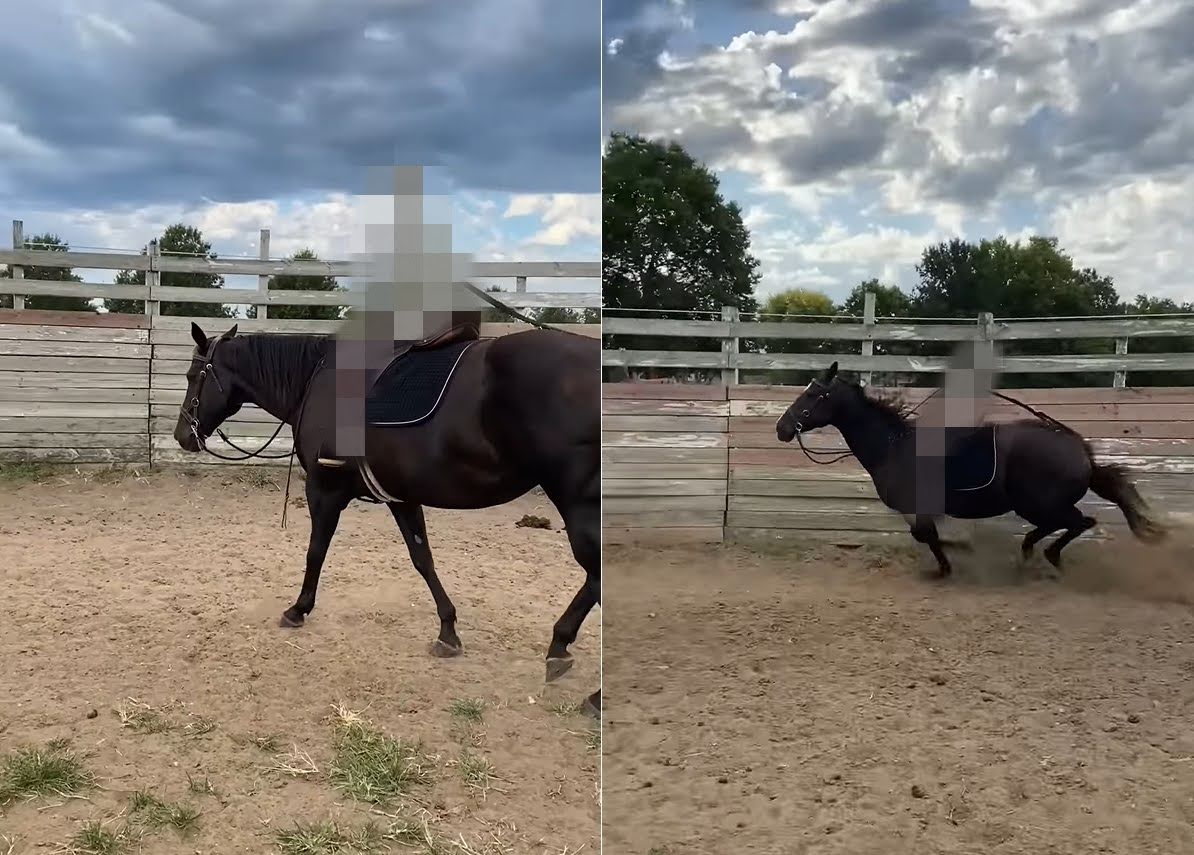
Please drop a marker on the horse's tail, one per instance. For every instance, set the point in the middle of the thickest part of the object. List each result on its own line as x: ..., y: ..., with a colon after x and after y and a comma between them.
x: 1110, y: 481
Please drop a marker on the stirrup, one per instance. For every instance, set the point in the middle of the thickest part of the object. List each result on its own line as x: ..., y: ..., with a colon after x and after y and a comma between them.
x: 331, y: 462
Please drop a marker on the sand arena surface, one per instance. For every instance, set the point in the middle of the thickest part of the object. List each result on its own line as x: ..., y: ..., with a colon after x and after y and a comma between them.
x: 168, y: 590
x: 828, y: 701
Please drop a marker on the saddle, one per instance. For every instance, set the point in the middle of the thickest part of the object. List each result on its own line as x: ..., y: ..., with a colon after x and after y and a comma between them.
x: 970, y: 458
x: 411, y: 385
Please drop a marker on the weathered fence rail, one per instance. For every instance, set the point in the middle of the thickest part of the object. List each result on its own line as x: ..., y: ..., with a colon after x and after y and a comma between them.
x: 865, y: 332
x: 696, y: 463
x: 88, y: 387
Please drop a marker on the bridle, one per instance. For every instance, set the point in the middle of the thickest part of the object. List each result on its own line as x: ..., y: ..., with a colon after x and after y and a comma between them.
x: 191, y: 413
x: 806, y: 413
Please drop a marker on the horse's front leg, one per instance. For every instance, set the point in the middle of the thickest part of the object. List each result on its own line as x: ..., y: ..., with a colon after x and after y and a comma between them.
x: 414, y: 531
x: 325, y: 507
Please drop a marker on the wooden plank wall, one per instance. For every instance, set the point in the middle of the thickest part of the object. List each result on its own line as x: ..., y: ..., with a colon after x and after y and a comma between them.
x: 74, y: 388
x: 664, y: 445
x: 92, y: 388
x: 664, y: 462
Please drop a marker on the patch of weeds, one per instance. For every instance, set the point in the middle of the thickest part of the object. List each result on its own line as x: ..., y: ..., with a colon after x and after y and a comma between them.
x: 593, y: 740
x: 470, y: 710
x: 373, y: 767
x: 566, y: 708
x: 148, y: 811
x: 467, y: 716
x: 296, y: 763
x: 25, y: 473
x: 94, y: 839
x: 476, y: 772
x: 8, y: 845
x: 140, y: 717
x: 266, y: 743
x: 200, y: 786
x: 199, y: 726
x: 50, y: 770
x: 330, y: 838
x: 254, y: 476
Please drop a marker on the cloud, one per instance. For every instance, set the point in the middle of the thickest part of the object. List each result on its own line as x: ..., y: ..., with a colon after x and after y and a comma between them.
x: 167, y: 102
x: 566, y: 217
x: 909, y: 120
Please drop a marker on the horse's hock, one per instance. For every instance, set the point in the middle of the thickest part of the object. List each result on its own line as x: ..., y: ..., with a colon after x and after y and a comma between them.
x: 694, y: 463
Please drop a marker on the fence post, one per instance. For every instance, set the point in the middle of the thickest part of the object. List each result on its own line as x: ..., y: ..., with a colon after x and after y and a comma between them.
x: 729, y: 347
x: 868, y: 321
x: 16, y: 271
x: 152, y: 280
x: 263, y: 280
x: 986, y: 340
x: 1121, y: 377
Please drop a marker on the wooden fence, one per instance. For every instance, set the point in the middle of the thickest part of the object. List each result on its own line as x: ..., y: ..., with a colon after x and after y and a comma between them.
x: 88, y: 388
x: 859, y: 337
x: 694, y: 463
x: 697, y: 462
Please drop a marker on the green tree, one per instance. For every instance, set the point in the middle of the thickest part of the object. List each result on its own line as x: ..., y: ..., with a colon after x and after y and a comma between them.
x: 51, y: 243
x: 1036, y: 278
x: 669, y: 240
x: 802, y: 305
x: 1010, y: 280
x: 182, y: 241
x: 555, y: 315
x: 1144, y: 305
x: 288, y: 282
x: 890, y: 301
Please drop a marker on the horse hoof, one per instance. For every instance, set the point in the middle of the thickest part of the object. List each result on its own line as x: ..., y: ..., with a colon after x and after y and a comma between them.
x: 443, y: 650
x: 590, y: 709
x: 292, y: 619
x: 557, y: 667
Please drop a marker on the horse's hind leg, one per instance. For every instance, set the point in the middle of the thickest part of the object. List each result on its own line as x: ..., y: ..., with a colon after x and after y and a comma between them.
x: 583, y: 523
x: 414, y: 531
x: 1032, y: 539
x: 325, y: 506
x: 1075, y: 523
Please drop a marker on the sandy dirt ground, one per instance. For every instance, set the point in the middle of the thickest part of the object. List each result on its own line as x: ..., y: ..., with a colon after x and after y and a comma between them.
x: 168, y: 590
x: 829, y: 701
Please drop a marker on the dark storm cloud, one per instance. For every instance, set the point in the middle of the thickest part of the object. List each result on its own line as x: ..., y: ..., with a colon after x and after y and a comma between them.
x: 642, y: 30
x: 210, y: 101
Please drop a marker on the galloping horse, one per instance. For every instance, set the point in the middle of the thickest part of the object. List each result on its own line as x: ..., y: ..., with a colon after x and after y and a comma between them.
x: 1037, y: 468
x: 511, y: 413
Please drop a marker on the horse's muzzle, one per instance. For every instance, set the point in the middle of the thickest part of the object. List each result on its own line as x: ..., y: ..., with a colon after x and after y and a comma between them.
x: 785, y: 431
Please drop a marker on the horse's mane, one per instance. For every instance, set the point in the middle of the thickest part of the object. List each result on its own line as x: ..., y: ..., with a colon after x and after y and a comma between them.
x: 891, y: 405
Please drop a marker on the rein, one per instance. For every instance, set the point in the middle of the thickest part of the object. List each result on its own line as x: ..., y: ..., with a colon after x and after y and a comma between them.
x: 514, y: 313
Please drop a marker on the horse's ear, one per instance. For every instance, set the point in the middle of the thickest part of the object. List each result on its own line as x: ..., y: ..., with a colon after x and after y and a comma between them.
x: 198, y: 335
x: 231, y: 333
x: 831, y: 372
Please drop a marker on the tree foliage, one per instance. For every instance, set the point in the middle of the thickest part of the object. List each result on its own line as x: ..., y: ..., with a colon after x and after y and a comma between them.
x: 51, y: 243
x: 182, y: 241
x: 287, y: 282
x: 669, y: 240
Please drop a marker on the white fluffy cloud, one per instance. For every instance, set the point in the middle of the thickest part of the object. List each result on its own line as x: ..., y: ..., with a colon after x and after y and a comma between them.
x: 866, y: 128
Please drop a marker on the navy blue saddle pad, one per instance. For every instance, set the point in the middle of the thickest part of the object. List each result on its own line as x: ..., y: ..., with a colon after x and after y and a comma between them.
x: 411, y: 387
x: 970, y: 457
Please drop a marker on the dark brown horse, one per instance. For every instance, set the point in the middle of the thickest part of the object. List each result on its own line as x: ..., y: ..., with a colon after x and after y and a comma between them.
x: 521, y: 411
x: 1038, y: 469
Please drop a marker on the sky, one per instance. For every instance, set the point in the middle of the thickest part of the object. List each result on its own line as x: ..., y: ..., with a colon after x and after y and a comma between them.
x: 119, y: 117
x: 853, y: 133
